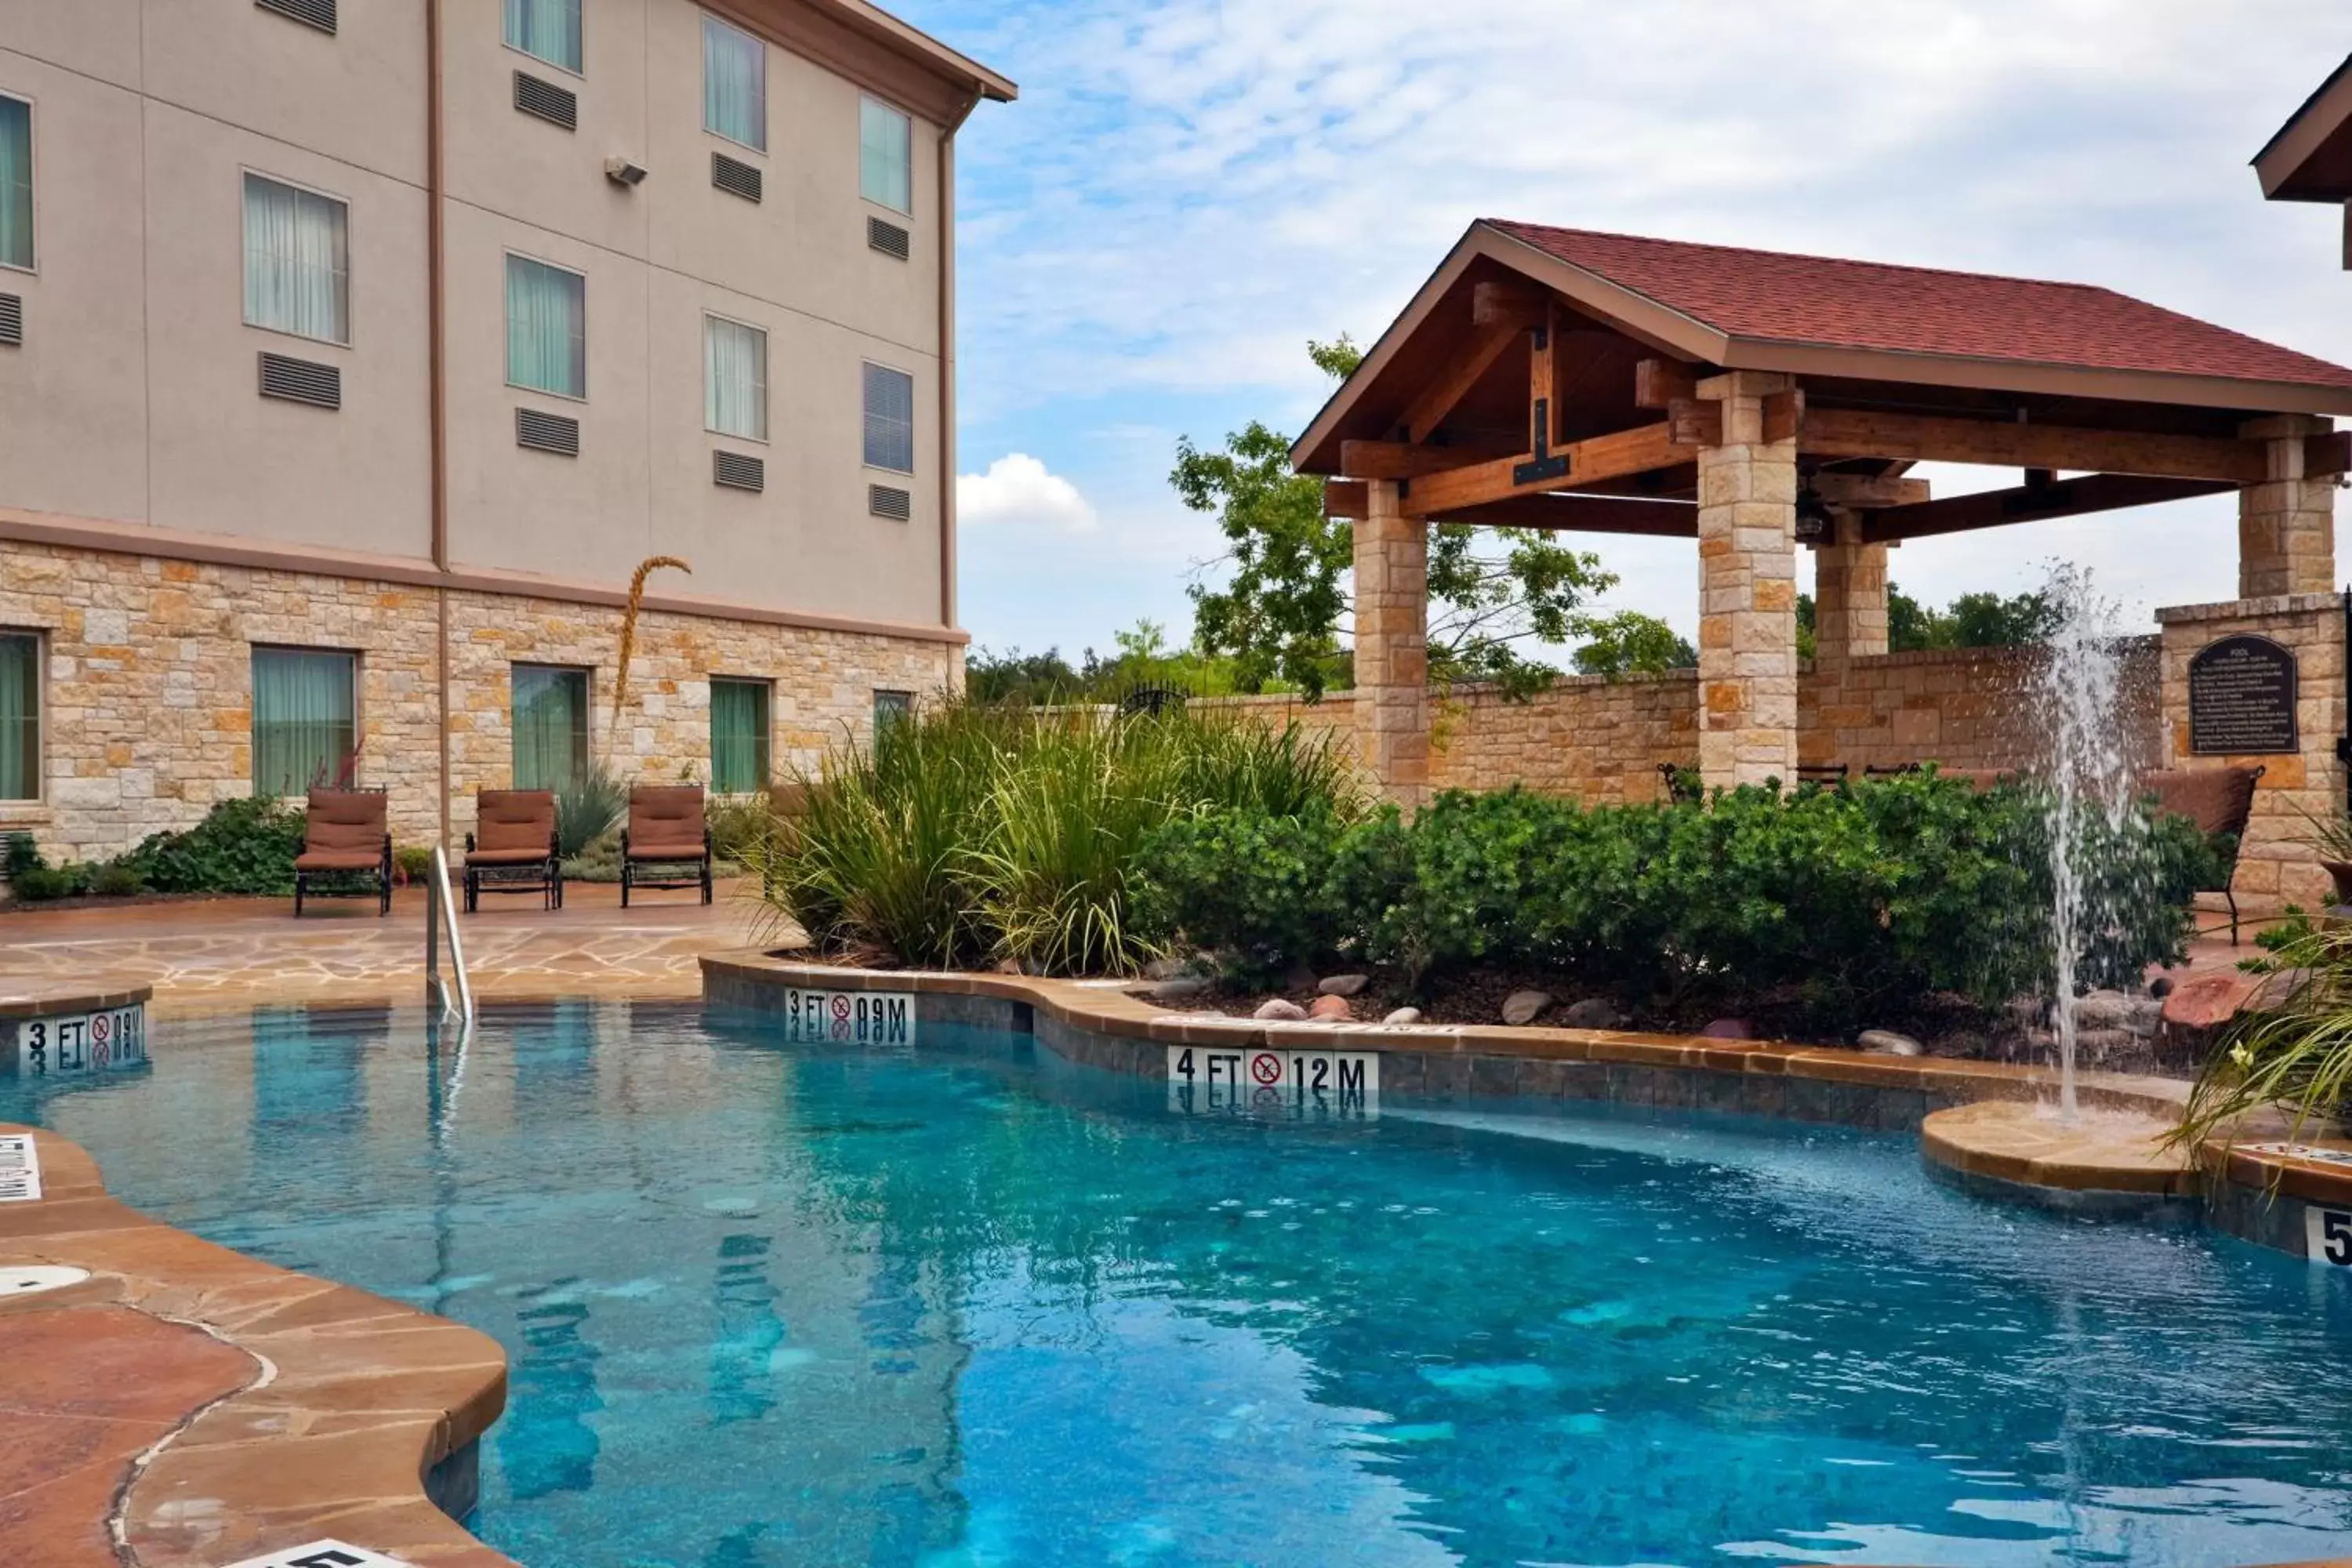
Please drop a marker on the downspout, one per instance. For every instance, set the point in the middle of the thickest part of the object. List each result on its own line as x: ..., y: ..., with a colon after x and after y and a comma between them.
x: 947, y: 366
x: 437, y: 414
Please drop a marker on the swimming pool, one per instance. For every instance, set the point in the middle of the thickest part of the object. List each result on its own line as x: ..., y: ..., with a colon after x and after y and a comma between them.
x: 972, y: 1306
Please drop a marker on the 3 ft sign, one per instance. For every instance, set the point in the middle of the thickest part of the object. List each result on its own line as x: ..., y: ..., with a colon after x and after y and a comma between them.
x: 1344, y: 1084
x: 849, y: 1017
x: 81, y: 1042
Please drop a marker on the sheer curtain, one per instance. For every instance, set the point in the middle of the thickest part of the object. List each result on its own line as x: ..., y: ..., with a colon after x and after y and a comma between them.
x: 735, y: 378
x: 20, y: 718
x: 885, y: 174
x: 734, y: 84
x: 550, y: 727
x: 889, y: 419
x: 297, y: 264
x: 546, y: 328
x: 547, y: 30
x: 16, y: 183
x: 304, y: 729
x: 739, y: 736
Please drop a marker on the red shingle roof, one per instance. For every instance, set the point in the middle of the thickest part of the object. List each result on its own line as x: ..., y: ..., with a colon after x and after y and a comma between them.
x: 1773, y: 296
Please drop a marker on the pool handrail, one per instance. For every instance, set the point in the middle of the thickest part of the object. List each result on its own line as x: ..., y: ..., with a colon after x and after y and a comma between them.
x: 441, y: 911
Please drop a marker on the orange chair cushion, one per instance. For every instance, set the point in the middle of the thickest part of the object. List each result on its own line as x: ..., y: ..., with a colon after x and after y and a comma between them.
x: 512, y: 820
x: 665, y: 822
x: 343, y: 822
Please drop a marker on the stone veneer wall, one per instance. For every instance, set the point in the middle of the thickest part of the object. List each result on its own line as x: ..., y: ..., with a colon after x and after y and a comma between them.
x: 2277, y: 864
x: 147, y: 716
x: 1964, y: 707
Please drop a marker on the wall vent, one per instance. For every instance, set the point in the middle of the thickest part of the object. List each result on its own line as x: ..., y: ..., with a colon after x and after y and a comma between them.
x: 889, y: 239
x: 12, y: 320
x: 738, y: 471
x: 302, y: 380
x: 550, y: 102
x: 890, y: 501
x: 319, y: 13
x: 547, y: 432
x: 734, y: 176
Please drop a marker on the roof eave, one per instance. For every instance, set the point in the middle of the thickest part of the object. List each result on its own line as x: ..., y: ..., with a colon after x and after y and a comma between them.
x: 2037, y: 377
x: 2321, y: 116
x: 919, y: 47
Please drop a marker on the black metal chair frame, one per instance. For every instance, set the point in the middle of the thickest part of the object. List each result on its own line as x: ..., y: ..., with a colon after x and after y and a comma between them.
x: 630, y: 879
x: 527, y: 877
x: 351, y: 884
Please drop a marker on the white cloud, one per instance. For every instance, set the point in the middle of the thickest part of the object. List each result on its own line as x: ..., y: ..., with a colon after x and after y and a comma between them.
x: 1018, y: 491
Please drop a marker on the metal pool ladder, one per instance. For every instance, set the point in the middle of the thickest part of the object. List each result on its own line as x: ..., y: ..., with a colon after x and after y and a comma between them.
x: 441, y: 911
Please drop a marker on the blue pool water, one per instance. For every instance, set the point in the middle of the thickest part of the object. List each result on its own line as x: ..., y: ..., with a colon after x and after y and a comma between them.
x: 969, y: 1306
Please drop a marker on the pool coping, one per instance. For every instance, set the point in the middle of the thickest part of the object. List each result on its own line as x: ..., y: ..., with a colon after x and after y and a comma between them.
x: 357, y: 1417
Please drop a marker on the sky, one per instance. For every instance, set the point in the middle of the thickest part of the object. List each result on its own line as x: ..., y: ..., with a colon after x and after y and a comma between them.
x: 1188, y: 191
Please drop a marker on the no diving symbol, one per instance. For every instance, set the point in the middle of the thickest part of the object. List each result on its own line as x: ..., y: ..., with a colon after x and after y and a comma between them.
x: 1266, y: 1067
x: 99, y: 1028
x: 841, y: 1009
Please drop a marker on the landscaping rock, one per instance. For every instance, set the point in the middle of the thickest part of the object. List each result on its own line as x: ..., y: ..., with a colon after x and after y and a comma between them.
x: 2161, y: 987
x: 1593, y: 1013
x: 1403, y: 1016
x: 1279, y: 1011
x: 1891, y: 1042
x: 1729, y: 1029
x: 2093, y: 1046
x: 2206, y: 1001
x: 2104, y: 1010
x: 1332, y: 1009
x: 1298, y: 977
x: 1522, y: 1007
x: 1183, y: 988
x: 1344, y: 985
x: 1163, y: 969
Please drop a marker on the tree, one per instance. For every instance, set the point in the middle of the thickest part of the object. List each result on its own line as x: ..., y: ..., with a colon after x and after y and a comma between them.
x: 1282, y: 614
x: 1631, y: 643
x: 1974, y: 620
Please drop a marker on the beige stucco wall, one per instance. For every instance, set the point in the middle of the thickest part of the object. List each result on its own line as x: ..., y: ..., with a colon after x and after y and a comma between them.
x: 148, y: 698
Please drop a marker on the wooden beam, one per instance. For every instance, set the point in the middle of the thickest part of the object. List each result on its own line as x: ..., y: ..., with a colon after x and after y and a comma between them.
x: 1696, y: 421
x: 1395, y: 460
x: 1346, y: 498
x: 2031, y: 503
x: 1585, y: 514
x: 1658, y: 381
x: 1850, y: 433
x: 2323, y: 456
x: 1514, y: 305
x: 1783, y: 411
x: 1587, y: 461
x: 1543, y: 384
x: 1867, y: 490
x: 1446, y: 389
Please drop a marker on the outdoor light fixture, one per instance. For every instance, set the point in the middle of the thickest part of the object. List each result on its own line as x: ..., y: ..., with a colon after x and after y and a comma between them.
x: 621, y: 171
x: 1812, y: 517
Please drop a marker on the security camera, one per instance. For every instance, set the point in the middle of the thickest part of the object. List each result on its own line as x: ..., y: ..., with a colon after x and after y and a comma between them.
x: 621, y: 171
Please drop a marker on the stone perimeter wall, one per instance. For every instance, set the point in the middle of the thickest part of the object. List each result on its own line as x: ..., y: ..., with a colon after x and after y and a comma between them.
x: 147, y: 718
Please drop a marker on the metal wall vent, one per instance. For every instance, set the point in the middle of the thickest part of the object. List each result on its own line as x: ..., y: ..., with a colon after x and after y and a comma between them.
x: 302, y: 380
x: 890, y: 501
x: 12, y: 320
x: 550, y: 102
x: 547, y: 432
x: 889, y: 239
x: 734, y: 176
x: 319, y: 13
x: 738, y: 472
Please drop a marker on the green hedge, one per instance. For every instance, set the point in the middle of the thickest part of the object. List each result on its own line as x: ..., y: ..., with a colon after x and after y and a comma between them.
x: 242, y: 846
x: 1829, y: 903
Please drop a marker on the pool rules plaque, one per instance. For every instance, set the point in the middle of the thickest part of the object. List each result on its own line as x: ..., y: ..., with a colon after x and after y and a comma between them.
x: 2241, y: 693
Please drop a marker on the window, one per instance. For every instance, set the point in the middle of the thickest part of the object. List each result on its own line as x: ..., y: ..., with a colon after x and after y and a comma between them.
x: 886, y: 169
x: 889, y: 419
x: 546, y: 328
x: 20, y: 716
x: 734, y: 379
x: 15, y: 183
x: 305, y: 723
x: 734, y: 84
x: 546, y: 30
x: 550, y: 726
x: 739, y: 736
x: 297, y: 262
x: 892, y: 708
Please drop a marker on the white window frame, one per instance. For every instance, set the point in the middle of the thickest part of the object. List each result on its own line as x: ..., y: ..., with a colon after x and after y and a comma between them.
x: 580, y: 75
x: 863, y: 100
x: 710, y: 20
x: 39, y: 799
x: 506, y: 361
x: 350, y: 257
x: 766, y: 386
x: 33, y: 130
x: 913, y: 400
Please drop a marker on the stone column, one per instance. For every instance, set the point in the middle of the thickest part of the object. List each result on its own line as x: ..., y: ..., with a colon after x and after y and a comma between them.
x: 2286, y: 525
x: 1849, y: 593
x: 1392, y: 648
x: 1747, y: 590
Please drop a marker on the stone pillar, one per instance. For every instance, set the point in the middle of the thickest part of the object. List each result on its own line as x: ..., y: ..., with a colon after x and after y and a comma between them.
x: 1747, y: 590
x: 2286, y: 525
x: 1392, y: 648
x: 1849, y: 593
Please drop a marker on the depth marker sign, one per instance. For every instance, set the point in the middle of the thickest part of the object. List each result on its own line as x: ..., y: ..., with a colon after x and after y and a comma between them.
x: 322, y: 1554
x: 1264, y: 1080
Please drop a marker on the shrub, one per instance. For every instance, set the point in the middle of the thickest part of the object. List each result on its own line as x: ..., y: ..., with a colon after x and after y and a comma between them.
x: 738, y: 827
x: 2293, y: 1050
x: 242, y: 846
x: 116, y: 880
x: 587, y: 808
x: 413, y: 862
x: 40, y: 884
x: 1264, y: 884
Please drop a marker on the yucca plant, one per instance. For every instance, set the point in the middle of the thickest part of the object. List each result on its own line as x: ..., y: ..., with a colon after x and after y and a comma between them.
x: 586, y: 808
x: 2291, y: 1053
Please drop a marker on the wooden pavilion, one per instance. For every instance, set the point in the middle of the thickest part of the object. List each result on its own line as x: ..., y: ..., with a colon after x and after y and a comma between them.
x: 1755, y: 402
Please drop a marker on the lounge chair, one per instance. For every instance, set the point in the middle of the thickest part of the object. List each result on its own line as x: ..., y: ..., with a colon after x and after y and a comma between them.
x: 512, y: 848
x: 668, y: 841
x: 1829, y: 775
x: 2220, y: 801
x: 346, y: 849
